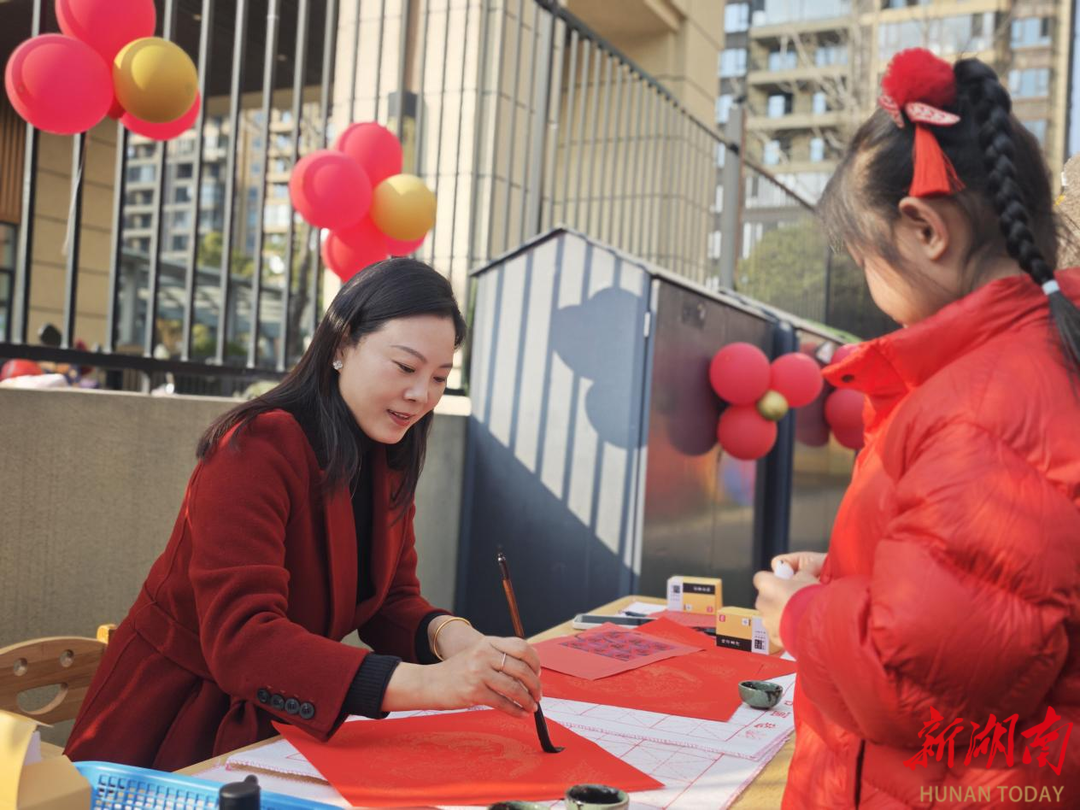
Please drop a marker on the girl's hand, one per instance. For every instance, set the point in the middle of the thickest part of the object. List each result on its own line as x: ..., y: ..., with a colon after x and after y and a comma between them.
x: 807, y: 563
x: 503, y: 673
x: 773, y: 596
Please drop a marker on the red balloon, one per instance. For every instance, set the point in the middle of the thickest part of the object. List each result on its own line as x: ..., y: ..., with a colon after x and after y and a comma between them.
x: 374, y: 147
x: 106, y: 25
x: 116, y: 111
x: 844, y: 410
x: 842, y: 352
x: 330, y: 190
x: 399, y: 248
x: 166, y: 131
x: 349, y: 251
x: 740, y: 373
x: 19, y: 368
x: 58, y: 84
x: 852, y: 437
x: 744, y: 433
x: 797, y: 377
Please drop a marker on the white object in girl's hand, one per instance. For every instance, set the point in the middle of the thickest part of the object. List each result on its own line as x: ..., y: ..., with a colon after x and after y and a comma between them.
x: 783, y: 570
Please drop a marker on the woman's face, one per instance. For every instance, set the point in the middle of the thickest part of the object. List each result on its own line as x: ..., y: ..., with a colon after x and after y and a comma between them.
x: 395, y: 375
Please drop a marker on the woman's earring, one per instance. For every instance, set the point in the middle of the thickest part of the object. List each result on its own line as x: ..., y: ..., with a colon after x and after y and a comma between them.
x: 337, y: 364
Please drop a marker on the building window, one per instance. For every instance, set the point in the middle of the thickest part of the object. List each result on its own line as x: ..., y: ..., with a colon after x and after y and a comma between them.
x: 831, y: 55
x: 178, y: 242
x: 1031, y: 32
x: 716, y: 239
x: 1038, y: 129
x: 723, y: 107
x: 184, y: 171
x: 783, y: 60
x: 140, y: 174
x: 733, y: 62
x: 1033, y: 83
x: 181, y: 219
x: 780, y: 105
x: 817, y: 150
x: 721, y: 153
x: 821, y: 103
x: 772, y: 154
x: 182, y: 194
x: 736, y: 18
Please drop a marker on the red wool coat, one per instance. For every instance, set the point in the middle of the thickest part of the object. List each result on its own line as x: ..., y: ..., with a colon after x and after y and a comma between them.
x: 952, y: 576
x: 239, y: 620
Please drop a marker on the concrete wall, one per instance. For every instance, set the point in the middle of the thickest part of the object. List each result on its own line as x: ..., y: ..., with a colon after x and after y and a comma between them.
x: 90, y: 484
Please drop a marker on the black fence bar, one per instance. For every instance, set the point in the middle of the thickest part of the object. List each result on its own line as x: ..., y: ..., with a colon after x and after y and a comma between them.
x: 355, y: 63
x: 269, y: 63
x: 403, y: 52
x: 168, y: 23
x: 71, y: 269
x: 117, y: 253
x: 378, y: 58
x: 206, y: 27
x: 239, y: 48
x: 457, y: 148
x: 25, y: 259
x: 299, y: 68
x: 329, y: 38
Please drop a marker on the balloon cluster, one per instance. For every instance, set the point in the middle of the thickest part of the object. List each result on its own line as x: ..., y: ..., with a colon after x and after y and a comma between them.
x: 357, y: 191
x: 844, y: 409
x: 106, y: 62
x: 759, y: 394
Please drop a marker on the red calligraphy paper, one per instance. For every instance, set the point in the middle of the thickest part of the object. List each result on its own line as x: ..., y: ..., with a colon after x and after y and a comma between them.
x: 688, y: 619
x: 477, y: 757
x: 605, y: 651
x: 703, y: 685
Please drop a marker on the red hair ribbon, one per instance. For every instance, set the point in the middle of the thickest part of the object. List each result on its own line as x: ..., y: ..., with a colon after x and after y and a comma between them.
x: 919, y: 84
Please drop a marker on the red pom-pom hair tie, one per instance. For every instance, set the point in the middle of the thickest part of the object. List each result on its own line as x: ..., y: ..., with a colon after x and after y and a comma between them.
x: 920, y: 84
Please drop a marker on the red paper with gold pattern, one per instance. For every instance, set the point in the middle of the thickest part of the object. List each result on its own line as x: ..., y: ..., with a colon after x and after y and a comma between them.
x: 703, y: 685
x: 476, y: 757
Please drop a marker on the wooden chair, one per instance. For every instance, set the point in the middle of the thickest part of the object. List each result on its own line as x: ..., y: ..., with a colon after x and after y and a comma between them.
x: 67, y: 662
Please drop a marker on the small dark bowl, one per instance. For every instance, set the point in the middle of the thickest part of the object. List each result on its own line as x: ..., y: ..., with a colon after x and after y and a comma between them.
x: 760, y: 694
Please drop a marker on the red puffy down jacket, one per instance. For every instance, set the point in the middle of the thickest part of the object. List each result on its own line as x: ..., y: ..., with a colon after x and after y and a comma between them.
x: 952, y: 581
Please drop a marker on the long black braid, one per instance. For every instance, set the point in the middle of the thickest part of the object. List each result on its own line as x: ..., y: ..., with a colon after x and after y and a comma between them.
x: 1003, y: 171
x: 992, y: 108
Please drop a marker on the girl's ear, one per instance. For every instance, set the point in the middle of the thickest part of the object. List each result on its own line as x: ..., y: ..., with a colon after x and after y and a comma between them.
x: 924, y: 225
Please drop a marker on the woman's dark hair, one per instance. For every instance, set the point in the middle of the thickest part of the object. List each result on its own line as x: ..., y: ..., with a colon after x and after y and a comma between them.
x: 394, y: 288
x: 1007, y: 197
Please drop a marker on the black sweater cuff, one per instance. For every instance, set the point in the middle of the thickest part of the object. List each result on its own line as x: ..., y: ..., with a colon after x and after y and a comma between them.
x: 366, y: 692
x: 424, y: 655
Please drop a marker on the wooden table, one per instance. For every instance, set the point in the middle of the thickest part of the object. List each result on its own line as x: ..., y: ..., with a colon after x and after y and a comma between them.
x: 764, y: 793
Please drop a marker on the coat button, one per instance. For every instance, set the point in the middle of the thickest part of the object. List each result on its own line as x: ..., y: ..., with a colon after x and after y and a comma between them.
x: 277, y: 702
x: 292, y: 705
x: 307, y: 711
x: 263, y: 695
x: 848, y: 378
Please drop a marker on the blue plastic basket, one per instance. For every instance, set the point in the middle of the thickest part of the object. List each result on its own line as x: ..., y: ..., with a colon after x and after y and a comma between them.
x: 125, y: 787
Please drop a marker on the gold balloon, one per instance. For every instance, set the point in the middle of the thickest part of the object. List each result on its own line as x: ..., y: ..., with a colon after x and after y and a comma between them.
x: 773, y: 406
x: 403, y: 208
x: 155, y: 80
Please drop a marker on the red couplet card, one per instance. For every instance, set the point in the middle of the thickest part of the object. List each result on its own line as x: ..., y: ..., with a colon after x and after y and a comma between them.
x: 704, y: 685
x: 477, y: 757
x: 605, y: 651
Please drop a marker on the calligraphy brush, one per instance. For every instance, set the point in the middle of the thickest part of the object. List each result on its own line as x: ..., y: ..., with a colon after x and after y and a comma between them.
x: 515, y: 617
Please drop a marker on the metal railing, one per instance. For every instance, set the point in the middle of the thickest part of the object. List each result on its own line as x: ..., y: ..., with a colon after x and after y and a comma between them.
x: 517, y: 114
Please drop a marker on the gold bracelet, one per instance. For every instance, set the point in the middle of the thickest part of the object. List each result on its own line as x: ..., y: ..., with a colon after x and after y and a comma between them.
x: 439, y: 629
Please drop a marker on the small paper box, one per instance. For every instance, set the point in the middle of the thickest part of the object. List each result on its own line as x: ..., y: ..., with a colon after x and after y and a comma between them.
x: 695, y: 594
x: 742, y: 629
x: 26, y: 784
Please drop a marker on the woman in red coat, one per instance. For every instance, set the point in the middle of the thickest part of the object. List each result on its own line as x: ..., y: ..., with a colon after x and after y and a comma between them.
x: 950, y: 595
x: 296, y: 529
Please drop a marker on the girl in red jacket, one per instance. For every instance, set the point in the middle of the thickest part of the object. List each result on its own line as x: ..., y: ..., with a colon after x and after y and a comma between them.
x: 948, y: 608
x: 296, y: 529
